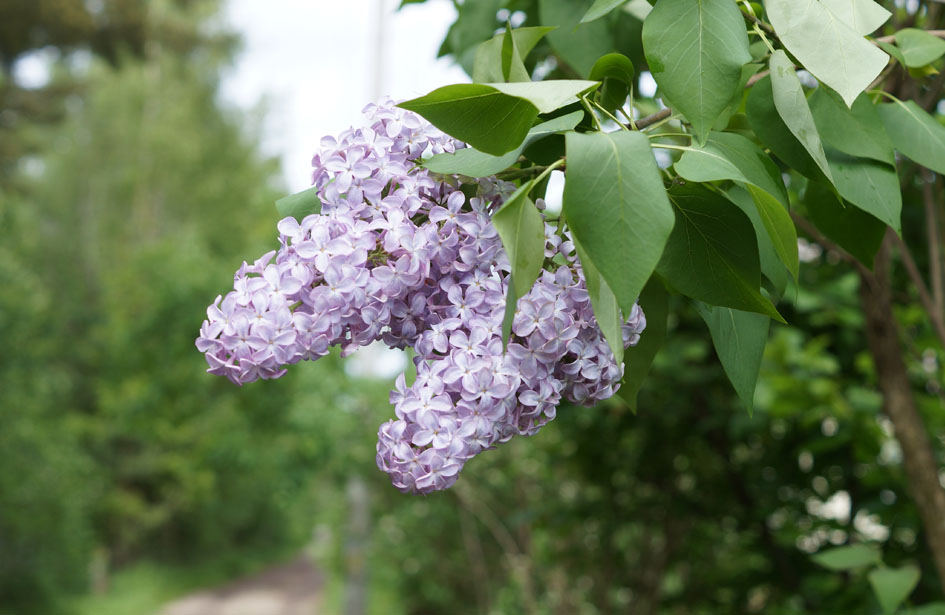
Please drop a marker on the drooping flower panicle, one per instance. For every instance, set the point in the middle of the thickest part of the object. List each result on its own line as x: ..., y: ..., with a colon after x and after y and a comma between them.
x: 401, y: 255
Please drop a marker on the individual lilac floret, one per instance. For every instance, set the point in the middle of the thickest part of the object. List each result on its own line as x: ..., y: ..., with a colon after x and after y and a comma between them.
x: 404, y: 256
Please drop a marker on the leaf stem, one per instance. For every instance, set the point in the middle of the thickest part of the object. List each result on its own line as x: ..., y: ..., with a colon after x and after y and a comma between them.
x: 682, y: 148
x: 551, y: 167
x: 629, y: 116
x: 590, y: 110
x: 609, y: 115
x: 668, y: 134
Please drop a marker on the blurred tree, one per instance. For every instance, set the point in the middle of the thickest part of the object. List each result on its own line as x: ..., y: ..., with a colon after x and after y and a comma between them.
x: 69, y: 32
x: 119, y: 226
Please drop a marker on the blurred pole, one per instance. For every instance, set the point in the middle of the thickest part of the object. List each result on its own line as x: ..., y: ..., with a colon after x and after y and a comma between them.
x: 357, y: 535
x: 356, y: 544
x: 380, y: 42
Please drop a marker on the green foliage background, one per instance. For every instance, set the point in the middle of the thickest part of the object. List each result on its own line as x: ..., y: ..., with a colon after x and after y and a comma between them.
x: 128, y: 196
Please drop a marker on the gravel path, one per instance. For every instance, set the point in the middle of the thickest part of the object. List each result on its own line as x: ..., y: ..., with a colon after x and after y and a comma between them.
x: 293, y: 588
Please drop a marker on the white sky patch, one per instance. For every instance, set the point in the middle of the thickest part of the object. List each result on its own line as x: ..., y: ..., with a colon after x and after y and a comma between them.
x: 33, y: 70
x: 376, y: 361
x: 554, y: 193
x: 647, y: 85
x: 315, y: 65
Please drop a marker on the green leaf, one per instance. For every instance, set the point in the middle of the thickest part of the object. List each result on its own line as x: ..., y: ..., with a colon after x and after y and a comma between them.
x: 577, y: 44
x: 872, y: 186
x: 771, y: 266
x: 522, y: 230
x: 932, y: 608
x: 513, y: 68
x: 851, y: 228
x: 600, y: 8
x: 300, y: 204
x: 831, y: 50
x: 511, y: 306
x: 639, y: 9
x: 893, y: 51
x: 863, y: 16
x: 616, y: 207
x: 604, y: 302
x: 478, y: 114
x: 919, y: 47
x: 487, y: 66
x: 735, y: 103
x: 732, y: 156
x: 473, y: 163
x: 616, y: 72
x: 548, y: 95
x: 869, y: 185
x: 893, y: 585
x: 695, y: 51
x: 856, y: 131
x: 475, y: 22
x: 494, y: 118
x: 791, y: 104
x: 739, y: 339
x: 848, y: 558
x: 915, y: 133
x: 771, y: 130
x: 654, y: 300
x: 712, y: 253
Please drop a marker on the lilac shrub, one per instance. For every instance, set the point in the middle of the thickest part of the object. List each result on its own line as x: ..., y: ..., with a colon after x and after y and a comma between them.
x: 402, y: 255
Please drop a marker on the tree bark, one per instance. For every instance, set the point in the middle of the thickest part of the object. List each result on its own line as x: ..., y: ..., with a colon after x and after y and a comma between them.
x: 899, y: 404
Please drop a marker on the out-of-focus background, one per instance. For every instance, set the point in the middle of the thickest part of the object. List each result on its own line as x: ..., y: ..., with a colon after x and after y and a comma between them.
x: 142, y: 145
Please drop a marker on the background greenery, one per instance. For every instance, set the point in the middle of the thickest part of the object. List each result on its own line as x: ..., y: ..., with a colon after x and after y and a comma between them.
x: 129, y: 195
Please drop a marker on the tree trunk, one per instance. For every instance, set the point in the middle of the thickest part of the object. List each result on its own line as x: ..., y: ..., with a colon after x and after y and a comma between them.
x: 899, y: 404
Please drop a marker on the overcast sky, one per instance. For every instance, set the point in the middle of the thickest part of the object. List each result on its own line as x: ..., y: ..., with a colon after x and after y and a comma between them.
x: 314, y: 65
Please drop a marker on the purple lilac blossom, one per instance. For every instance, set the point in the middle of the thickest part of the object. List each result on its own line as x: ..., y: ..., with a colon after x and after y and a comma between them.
x: 401, y: 255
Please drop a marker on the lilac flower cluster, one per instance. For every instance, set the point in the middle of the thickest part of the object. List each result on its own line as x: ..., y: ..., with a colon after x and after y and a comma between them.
x: 404, y: 256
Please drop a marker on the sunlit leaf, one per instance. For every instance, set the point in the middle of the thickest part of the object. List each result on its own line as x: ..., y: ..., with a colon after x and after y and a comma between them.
x: 695, y: 51
x: 915, y: 133
x: 792, y: 106
x: 830, y: 49
x: 863, y: 16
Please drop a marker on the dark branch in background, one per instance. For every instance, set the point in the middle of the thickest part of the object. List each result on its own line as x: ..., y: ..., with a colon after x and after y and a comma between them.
x: 892, y: 37
x: 935, y: 317
x: 899, y: 405
x: 935, y: 242
x: 662, y: 114
x: 816, y: 235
